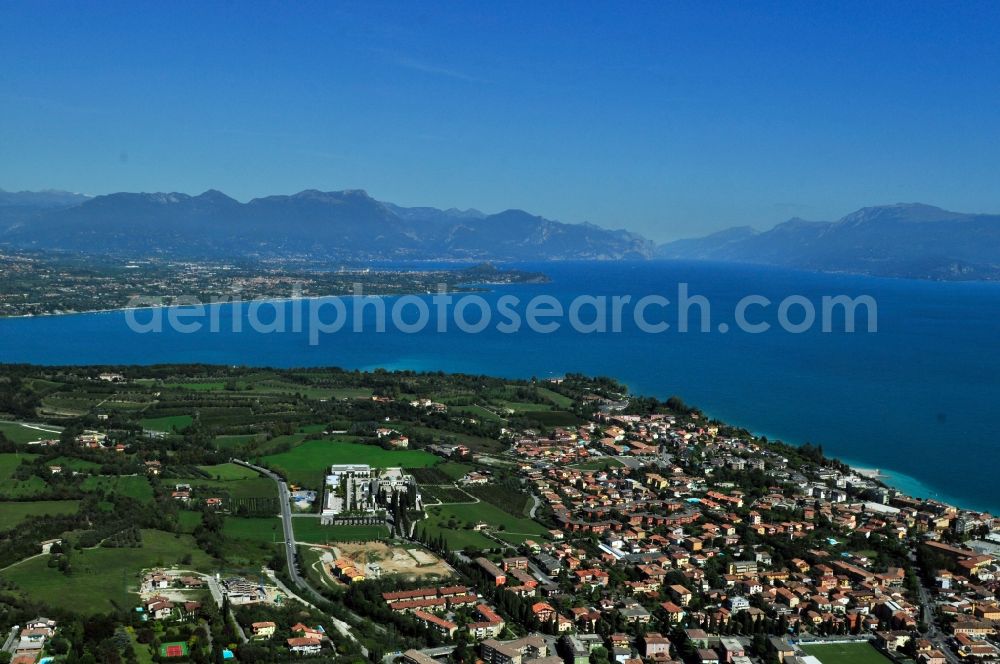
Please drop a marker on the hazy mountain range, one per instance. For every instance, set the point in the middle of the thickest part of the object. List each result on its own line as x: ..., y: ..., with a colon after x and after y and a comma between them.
x: 336, y: 224
x: 905, y: 240
x: 902, y: 240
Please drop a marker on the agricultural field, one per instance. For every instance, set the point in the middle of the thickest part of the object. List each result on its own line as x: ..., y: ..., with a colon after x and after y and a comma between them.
x: 560, y: 400
x: 11, y: 514
x: 444, y: 494
x: 232, y: 442
x: 473, y: 442
x: 230, y: 471
x: 846, y: 653
x: 168, y: 423
x: 456, y: 522
x: 445, y: 472
x: 524, y: 406
x: 309, y: 529
x: 13, y: 488
x: 306, y: 465
x: 455, y: 470
x: 20, y: 433
x: 103, y: 578
x: 17, y: 489
x: 352, y: 393
x: 258, y: 487
x: 188, y: 520
x: 276, y: 444
x: 78, y: 465
x: 259, y: 529
x: 133, y: 486
x: 457, y: 539
x: 508, y: 496
x: 254, y: 496
x: 476, y: 411
x: 211, y: 386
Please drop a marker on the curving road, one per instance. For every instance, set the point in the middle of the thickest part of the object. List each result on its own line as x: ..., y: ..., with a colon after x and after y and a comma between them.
x: 291, y: 551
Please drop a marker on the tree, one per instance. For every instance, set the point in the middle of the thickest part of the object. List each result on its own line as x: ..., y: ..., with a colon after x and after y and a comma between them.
x: 599, y: 655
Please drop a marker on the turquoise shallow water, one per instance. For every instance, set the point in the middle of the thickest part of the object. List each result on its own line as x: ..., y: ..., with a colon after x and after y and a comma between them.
x: 917, y: 399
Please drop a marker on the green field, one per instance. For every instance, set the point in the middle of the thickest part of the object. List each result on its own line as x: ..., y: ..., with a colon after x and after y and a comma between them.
x: 19, y: 433
x: 12, y: 514
x: 515, y: 529
x: 254, y: 529
x: 74, y: 464
x: 234, y: 441
x: 437, y: 493
x: 846, y: 653
x: 10, y: 461
x: 188, y: 520
x: 169, y: 423
x: 524, y: 406
x: 100, y: 577
x: 133, y: 486
x: 230, y: 471
x: 257, y: 487
x: 11, y: 488
x: 307, y: 464
x: 197, y: 387
x: 308, y: 529
x: 476, y: 411
x: 559, y: 399
x: 352, y: 392
x: 32, y: 486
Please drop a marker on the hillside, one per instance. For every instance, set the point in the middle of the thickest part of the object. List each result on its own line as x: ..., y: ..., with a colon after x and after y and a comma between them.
x: 339, y: 224
x: 902, y: 240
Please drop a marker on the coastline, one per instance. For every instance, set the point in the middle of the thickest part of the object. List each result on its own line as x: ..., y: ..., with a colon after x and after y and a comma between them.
x: 916, y: 488
x: 905, y: 484
x: 275, y: 300
x: 647, y: 366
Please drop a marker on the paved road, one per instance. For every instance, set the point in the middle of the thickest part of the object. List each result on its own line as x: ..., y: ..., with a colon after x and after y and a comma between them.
x: 291, y: 552
x: 535, y: 504
x: 934, y: 635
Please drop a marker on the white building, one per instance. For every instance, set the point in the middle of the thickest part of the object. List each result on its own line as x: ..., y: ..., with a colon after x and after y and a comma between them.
x: 360, y: 490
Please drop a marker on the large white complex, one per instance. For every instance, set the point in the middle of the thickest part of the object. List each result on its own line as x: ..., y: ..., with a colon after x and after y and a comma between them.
x: 358, y: 490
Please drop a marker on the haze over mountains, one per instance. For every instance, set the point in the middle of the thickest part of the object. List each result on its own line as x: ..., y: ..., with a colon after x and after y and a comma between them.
x: 904, y: 240
x: 338, y: 224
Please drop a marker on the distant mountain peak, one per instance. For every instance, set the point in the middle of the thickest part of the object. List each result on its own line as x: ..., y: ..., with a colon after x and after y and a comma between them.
x: 903, y: 239
x: 900, y: 213
x: 341, y: 224
x: 47, y: 198
x: 214, y: 194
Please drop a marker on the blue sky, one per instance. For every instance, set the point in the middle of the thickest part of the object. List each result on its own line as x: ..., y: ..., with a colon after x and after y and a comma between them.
x: 669, y: 118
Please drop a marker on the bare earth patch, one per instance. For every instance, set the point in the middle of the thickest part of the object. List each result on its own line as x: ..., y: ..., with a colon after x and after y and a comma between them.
x: 411, y: 562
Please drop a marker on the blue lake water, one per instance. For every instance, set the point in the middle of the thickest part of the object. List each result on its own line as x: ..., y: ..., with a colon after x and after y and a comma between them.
x: 918, y: 397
